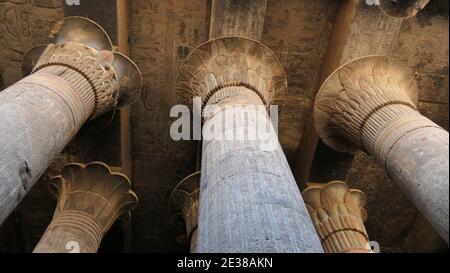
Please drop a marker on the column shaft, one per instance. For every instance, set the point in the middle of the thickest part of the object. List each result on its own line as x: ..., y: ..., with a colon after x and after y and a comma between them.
x: 40, y: 115
x: 249, y: 201
x: 414, y: 152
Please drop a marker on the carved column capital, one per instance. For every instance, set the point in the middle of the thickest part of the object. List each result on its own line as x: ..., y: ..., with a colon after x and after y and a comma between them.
x: 402, y: 8
x: 75, y: 79
x: 83, y: 50
x: 90, y: 199
x: 369, y: 103
x: 183, y: 207
x: 338, y: 214
x: 350, y: 100
x: 214, y: 68
x: 96, y: 67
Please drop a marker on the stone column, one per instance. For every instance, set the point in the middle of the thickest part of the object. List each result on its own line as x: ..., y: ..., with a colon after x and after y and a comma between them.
x: 369, y: 104
x: 402, y: 8
x: 183, y: 206
x: 249, y: 200
x: 75, y: 79
x: 338, y: 214
x: 90, y: 199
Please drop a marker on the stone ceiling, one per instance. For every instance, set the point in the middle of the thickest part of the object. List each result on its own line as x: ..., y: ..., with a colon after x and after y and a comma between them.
x: 162, y: 33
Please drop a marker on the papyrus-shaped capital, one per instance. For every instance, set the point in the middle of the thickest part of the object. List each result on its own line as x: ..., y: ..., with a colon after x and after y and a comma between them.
x: 338, y: 214
x: 90, y: 199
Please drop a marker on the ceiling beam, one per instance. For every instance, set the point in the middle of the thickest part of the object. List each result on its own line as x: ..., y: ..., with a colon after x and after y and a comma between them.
x: 338, y: 40
x: 123, y: 22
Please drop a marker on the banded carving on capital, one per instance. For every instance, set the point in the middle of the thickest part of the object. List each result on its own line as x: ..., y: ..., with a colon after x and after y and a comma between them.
x: 230, y: 62
x: 90, y: 199
x: 338, y: 214
x: 96, y: 67
x: 84, y: 48
x: 356, y: 93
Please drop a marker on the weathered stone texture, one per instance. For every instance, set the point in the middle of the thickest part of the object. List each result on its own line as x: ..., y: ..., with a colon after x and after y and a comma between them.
x: 183, y: 207
x: 235, y: 18
x: 23, y: 24
x: 422, y: 45
x: 391, y: 214
x: 402, y: 8
x: 365, y: 105
x: 44, y: 119
x: 249, y: 205
x: 70, y: 84
x: 90, y: 199
x: 338, y: 215
x: 162, y: 34
x: 297, y: 32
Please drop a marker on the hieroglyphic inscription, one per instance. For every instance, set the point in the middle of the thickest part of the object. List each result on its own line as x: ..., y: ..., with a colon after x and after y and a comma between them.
x: 162, y: 34
x: 23, y: 24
